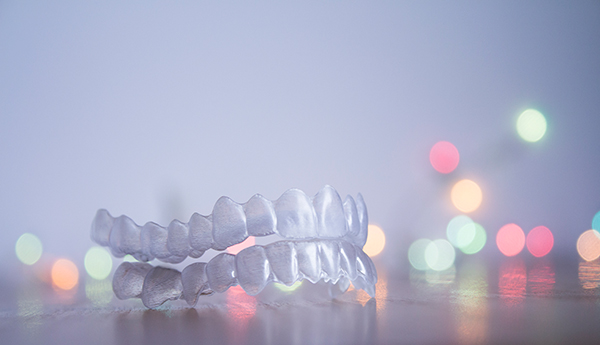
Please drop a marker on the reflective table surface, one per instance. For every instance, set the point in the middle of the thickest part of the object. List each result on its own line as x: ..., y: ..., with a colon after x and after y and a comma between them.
x: 512, y: 300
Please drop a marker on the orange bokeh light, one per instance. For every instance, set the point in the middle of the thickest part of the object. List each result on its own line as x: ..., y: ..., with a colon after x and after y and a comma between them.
x: 65, y: 274
x: 375, y: 241
x: 510, y: 239
x: 444, y: 157
x: 236, y: 248
x: 540, y: 241
x: 466, y: 196
x: 588, y: 245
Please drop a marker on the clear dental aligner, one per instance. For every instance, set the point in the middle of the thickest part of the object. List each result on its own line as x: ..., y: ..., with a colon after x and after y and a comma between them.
x: 293, y: 216
x: 336, y: 261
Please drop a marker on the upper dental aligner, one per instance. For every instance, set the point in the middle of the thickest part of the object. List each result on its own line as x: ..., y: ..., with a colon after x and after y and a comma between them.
x: 293, y: 216
x: 335, y: 261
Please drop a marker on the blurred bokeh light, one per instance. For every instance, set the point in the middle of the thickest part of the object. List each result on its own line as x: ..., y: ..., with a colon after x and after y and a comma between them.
x: 439, y: 255
x: 236, y: 248
x: 444, y: 157
x: 510, y: 239
x: 129, y: 258
x: 290, y: 288
x: 455, y: 227
x: 375, y: 241
x: 28, y: 249
x: 98, y: 263
x: 416, y: 254
x: 466, y: 196
x: 478, y: 241
x: 596, y: 221
x: 540, y: 241
x: 531, y: 125
x: 588, y: 245
x: 65, y: 274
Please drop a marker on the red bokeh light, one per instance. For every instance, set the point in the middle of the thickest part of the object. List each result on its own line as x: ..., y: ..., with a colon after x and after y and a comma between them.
x: 510, y: 239
x: 444, y: 157
x: 540, y: 241
x: 236, y: 248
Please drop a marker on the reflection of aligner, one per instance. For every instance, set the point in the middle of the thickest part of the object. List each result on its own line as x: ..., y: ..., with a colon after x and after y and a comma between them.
x: 336, y: 262
x: 589, y: 274
x: 512, y: 281
x: 293, y: 216
x: 541, y: 277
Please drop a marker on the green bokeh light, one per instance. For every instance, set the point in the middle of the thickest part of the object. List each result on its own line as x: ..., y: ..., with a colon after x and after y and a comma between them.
x: 531, y: 125
x: 416, y: 254
x: 460, y: 231
x: 440, y: 255
x: 596, y: 222
x: 478, y: 241
x: 28, y: 249
x: 98, y: 263
x: 129, y: 258
x: 290, y: 288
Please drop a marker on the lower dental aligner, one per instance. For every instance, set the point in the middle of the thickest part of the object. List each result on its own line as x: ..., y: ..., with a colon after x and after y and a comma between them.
x: 293, y: 216
x: 337, y: 262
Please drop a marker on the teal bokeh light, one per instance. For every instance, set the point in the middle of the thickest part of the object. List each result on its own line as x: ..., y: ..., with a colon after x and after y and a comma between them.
x: 596, y: 222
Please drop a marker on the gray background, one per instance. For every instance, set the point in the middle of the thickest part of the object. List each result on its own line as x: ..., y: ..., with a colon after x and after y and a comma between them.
x: 155, y: 110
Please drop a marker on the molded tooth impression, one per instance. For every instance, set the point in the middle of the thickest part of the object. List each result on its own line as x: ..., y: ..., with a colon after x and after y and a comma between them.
x: 252, y: 268
x: 194, y: 282
x: 221, y: 272
x: 330, y: 213
x: 200, y: 229
x: 178, y: 242
x: 363, y: 219
x: 260, y: 216
x: 329, y: 254
x: 129, y: 278
x: 351, y: 214
x: 229, y: 223
x: 125, y: 237
x: 293, y: 216
x: 101, y: 227
x: 283, y: 259
x: 161, y: 284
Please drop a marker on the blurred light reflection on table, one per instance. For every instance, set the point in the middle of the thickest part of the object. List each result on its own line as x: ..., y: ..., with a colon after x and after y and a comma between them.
x: 472, y: 301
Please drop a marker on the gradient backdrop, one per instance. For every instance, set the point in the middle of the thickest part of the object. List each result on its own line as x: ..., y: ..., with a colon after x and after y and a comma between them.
x: 155, y: 110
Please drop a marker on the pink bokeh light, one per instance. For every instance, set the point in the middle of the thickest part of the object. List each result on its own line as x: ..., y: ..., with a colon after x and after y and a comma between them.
x: 444, y: 157
x: 510, y: 239
x: 540, y: 241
